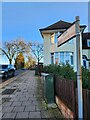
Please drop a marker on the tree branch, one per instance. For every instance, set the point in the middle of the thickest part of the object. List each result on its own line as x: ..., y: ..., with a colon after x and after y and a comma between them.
x: 4, y: 52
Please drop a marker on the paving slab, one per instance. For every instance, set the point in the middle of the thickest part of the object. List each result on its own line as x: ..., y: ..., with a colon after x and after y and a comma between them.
x: 28, y: 103
x: 30, y: 108
x: 7, y: 109
x: 16, y: 103
x: 18, y: 109
x: 7, y: 104
x: 35, y: 115
x: 27, y: 100
x: 9, y: 115
x: 22, y: 115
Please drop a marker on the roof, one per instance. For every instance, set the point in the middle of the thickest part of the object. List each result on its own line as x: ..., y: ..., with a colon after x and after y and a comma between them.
x: 59, y: 25
x: 85, y: 36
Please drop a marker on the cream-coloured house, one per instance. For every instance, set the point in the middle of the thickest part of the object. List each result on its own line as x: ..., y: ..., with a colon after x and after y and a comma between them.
x: 67, y: 52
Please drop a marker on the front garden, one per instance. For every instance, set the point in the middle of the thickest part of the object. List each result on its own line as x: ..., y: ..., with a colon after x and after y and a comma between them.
x: 67, y: 72
x: 65, y: 89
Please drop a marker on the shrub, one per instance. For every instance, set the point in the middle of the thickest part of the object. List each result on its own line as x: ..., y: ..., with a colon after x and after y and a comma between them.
x: 85, y: 78
x: 66, y: 71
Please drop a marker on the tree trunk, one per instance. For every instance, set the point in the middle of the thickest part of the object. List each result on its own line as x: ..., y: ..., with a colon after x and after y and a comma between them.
x: 10, y: 61
x: 38, y: 68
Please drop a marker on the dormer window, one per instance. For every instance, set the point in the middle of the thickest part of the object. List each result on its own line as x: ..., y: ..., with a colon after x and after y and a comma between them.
x: 88, y: 42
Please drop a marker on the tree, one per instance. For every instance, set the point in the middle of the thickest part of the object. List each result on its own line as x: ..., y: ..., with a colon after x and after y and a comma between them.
x: 19, y: 62
x: 30, y: 62
x: 11, y: 49
x: 37, y: 50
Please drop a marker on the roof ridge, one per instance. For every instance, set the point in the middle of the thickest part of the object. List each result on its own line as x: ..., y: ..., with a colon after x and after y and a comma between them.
x: 59, y: 21
x: 56, y: 25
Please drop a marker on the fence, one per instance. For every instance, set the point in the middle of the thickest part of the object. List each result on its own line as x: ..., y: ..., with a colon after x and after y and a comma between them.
x: 67, y: 92
x: 86, y: 103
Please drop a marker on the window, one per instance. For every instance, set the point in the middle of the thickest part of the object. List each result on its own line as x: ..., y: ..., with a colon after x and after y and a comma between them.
x: 66, y: 57
x: 71, y: 59
x: 3, y: 66
x: 56, y: 35
x: 56, y: 58
x: 61, y: 57
x: 88, y: 42
x: 89, y: 64
x: 84, y: 63
x: 52, y: 58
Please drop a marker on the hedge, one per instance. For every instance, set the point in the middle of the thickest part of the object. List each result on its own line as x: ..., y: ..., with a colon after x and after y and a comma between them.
x: 66, y: 71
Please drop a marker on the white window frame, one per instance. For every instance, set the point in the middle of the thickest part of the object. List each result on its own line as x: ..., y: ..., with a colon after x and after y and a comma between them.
x: 65, y: 52
x: 57, y: 57
x: 60, y: 57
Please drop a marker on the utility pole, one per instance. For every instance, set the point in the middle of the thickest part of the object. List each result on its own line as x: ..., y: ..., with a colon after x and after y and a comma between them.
x: 79, y: 70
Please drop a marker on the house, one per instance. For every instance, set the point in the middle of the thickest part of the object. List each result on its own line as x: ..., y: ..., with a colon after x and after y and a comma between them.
x: 67, y: 52
x: 86, y: 49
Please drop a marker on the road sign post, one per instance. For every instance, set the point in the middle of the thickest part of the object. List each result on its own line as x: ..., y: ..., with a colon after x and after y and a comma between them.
x: 79, y: 71
x: 74, y: 31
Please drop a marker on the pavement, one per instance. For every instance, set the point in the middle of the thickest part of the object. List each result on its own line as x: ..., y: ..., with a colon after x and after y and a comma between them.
x: 17, y: 72
x: 25, y: 100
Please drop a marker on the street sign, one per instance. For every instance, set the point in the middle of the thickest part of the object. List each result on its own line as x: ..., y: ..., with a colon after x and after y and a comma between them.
x: 73, y: 31
x: 67, y: 35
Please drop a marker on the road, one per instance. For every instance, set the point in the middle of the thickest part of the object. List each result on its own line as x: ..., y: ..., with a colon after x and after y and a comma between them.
x: 17, y: 72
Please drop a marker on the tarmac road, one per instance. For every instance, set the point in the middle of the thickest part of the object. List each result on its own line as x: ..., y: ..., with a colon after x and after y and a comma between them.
x: 17, y: 72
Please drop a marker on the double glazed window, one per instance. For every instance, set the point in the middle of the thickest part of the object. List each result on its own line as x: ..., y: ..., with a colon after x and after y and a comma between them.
x: 62, y: 58
x: 52, y: 58
x: 56, y: 58
x: 66, y: 57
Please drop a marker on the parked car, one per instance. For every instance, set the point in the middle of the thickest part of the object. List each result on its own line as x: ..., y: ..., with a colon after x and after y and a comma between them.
x: 7, y: 71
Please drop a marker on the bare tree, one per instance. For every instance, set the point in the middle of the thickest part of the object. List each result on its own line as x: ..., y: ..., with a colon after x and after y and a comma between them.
x: 11, y: 49
x: 37, y: 50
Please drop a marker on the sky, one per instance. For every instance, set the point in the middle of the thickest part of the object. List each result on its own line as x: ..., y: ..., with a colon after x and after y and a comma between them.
x: 45, y: 1
x: 24, y: 19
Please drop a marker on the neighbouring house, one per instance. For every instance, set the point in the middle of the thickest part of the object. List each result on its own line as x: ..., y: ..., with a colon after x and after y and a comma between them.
x: 67, y: 52
x: 86, y: 49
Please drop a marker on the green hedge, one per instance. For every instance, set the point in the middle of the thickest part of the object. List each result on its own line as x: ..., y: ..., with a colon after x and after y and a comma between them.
x: 66, y: 71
